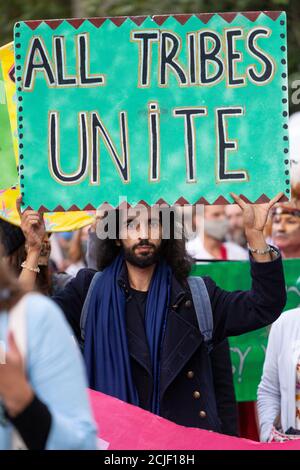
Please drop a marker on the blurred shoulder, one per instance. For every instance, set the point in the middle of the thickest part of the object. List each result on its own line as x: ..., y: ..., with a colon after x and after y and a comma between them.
x: 84, y: 276
x: 41, y: 310
x: 289, y: 317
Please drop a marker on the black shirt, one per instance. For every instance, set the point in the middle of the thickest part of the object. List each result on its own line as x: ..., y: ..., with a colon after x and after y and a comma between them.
x: 136, y: 306
x: 135, y: 315
x: 33, y: 424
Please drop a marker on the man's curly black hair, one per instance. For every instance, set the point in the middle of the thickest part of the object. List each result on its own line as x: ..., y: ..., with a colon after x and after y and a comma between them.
x: 172, y: 249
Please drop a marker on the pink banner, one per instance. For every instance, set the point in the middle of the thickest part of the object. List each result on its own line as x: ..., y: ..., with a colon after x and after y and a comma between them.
x: 126, y: 427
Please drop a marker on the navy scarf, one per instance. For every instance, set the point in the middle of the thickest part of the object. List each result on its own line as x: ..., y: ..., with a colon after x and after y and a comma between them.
x: 105, y: 348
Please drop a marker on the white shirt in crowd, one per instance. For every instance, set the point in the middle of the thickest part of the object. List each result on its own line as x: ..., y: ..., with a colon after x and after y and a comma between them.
x: 234, y: 252
x: 276, y: 391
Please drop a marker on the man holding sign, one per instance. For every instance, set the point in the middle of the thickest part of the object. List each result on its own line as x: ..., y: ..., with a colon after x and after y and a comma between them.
x: 137, y: 319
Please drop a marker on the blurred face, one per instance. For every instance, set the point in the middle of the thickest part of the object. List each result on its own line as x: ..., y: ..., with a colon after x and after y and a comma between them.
x: 214, y: 213
x: 84, y: 239
x: 286, y: 231
x: 215, y: 223
x: 140, y: 238
x: 234, y: 216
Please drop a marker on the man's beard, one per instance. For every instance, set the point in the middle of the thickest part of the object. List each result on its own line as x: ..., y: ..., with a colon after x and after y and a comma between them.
x: 143, y: 260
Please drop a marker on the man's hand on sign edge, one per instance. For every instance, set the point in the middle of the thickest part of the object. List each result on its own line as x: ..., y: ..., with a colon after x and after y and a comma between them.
x: 33, y: 227
x: 255, y: 215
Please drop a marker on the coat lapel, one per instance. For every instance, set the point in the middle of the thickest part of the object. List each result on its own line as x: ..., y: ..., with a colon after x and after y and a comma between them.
x: 182, y: 336
x: 138, y: 347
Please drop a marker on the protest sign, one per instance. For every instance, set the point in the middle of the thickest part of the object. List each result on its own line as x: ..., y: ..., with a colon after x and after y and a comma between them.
x: 175, y: 108
x: 248, y: 351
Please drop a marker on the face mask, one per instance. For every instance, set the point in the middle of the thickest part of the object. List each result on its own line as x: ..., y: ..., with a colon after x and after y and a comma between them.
x: 216, y: 229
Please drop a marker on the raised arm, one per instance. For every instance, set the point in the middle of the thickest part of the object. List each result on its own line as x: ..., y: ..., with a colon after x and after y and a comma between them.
x: 33, y: 227
x: 239, y: 312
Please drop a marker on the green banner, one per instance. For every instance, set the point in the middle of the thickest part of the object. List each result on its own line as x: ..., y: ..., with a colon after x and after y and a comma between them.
x: 248, y: 351
x: 8, y: 169
x: 180, y: 108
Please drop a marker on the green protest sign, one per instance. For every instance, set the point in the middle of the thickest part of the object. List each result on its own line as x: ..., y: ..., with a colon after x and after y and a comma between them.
x: 248, y: 351
x: 175, y: 108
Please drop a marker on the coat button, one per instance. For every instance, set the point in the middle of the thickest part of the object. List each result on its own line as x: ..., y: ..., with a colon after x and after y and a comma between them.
x: 196, y: 394
x: 190, y: 374
x: 188, y: 304
x: 202, y: 414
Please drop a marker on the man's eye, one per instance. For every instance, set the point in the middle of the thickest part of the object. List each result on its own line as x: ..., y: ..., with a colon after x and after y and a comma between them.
x: 292, y: 222
x: 131, y: 225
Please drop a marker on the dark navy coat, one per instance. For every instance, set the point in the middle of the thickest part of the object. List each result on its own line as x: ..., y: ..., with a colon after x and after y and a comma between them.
x: 187, y: 383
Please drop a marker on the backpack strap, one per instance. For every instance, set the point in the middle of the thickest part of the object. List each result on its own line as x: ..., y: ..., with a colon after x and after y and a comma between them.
x: 203, y: 308
x: 85, y: 308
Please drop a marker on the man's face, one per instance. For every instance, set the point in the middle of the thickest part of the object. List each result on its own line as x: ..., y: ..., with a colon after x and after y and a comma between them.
x: 234, y: 216
x: 214, y: 213
x: 141, y: 238
x: 286, y: 231
x: 215, y: 223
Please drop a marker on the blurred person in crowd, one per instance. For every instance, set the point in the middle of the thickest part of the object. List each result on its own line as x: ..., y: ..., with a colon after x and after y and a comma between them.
x: 14, y: 252
x: 77, y: 251
x: 136, y: 319
x: 92, y: 244
x: 213, y: 245
x: 286, y: 228
x: 60, y: 242
x: 282, y: 222
x: 236, y: 231
x: 278, y: 399
x: 43, y: 397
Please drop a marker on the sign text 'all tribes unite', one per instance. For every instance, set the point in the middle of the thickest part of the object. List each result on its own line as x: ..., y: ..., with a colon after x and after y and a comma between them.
x: 152, y: 112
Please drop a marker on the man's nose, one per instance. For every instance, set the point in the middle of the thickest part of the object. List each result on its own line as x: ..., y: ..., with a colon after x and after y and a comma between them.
x: 281, y: 227
x: 143, y: 231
